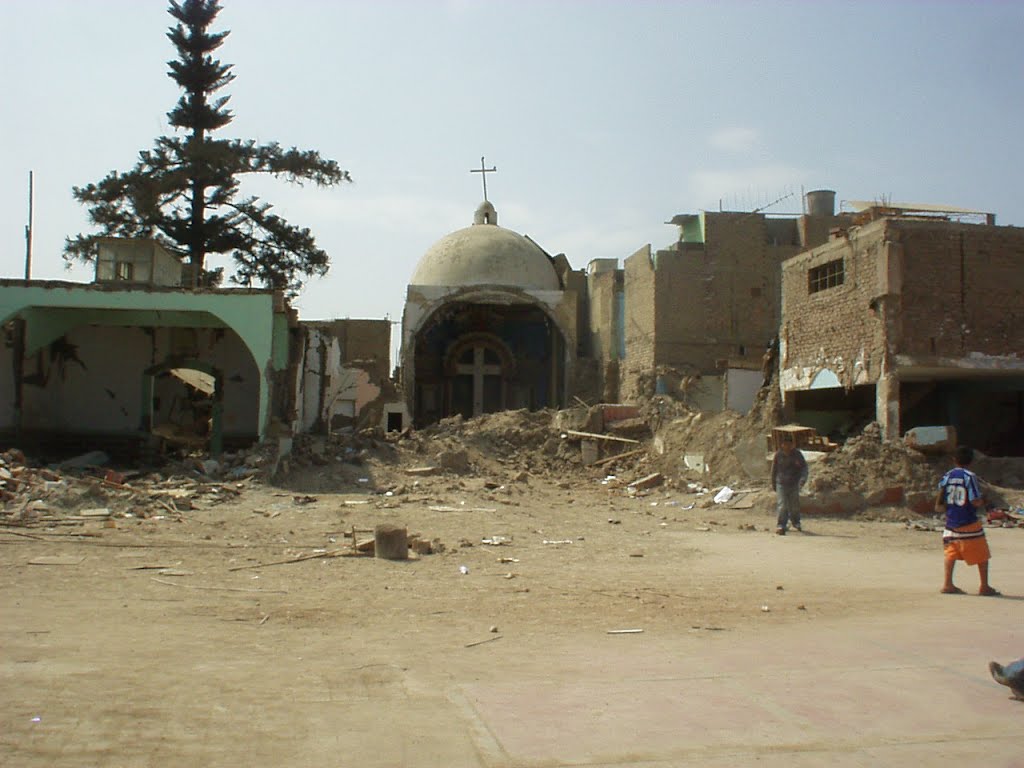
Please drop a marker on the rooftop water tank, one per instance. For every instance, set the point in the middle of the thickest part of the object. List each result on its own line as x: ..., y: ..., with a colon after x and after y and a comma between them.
x: 821, y: 202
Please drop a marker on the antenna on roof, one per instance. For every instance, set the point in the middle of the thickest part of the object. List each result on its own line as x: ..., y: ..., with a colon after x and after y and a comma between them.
x: 773, y: 202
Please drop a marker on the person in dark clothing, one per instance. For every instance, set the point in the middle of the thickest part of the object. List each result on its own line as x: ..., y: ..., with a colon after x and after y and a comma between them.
x: 789, y: 473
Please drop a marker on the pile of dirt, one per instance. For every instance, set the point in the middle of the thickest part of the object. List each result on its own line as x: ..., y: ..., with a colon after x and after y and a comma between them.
x: 866, y: 465
x: 725, y: 448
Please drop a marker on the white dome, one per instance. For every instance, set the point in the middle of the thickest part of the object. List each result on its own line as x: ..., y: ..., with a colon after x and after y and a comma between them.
x: 486, y: 254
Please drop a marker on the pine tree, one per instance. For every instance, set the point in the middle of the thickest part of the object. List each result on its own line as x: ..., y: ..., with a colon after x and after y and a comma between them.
x: 184, y: 192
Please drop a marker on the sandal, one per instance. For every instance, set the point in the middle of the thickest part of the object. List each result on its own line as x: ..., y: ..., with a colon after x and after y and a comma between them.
x: 990, y: 592
x: 952, y: 591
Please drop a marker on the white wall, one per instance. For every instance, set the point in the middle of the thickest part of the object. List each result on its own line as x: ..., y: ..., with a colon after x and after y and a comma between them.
x: 741, y: 386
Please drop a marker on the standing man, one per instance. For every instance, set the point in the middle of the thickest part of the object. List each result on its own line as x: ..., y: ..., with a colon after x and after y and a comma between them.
x: 789, y: 473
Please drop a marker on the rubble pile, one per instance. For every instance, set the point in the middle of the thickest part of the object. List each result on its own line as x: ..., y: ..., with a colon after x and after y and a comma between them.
x: 866, y: 465
x: 723, y: 448
x: 511, y: 440
x: 84, y: 489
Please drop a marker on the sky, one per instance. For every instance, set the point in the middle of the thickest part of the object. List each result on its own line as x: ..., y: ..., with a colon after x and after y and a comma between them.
x: 603, y: 118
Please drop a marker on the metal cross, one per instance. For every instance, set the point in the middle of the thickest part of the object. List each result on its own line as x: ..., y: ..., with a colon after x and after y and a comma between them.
x: 483, y: 171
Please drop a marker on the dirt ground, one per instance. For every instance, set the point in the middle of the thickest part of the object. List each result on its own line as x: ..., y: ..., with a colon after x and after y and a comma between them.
x: 198, y: 618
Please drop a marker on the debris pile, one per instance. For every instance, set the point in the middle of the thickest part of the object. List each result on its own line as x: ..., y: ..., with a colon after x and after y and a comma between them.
x: 83, y: 489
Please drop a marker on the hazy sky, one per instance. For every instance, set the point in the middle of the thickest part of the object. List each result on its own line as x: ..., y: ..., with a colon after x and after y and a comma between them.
x: 603, y: 118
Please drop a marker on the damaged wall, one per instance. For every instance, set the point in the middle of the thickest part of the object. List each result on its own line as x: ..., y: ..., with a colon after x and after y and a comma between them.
x: 342, y: 378
x: 838, y: 328
x: 88, y: 348
x: 714, y: 295
x: 931, y: 294
x: 602, y: 340
x: 90, y: 379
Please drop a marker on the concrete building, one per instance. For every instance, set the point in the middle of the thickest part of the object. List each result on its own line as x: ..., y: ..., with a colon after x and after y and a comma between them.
x: 103, y: 365
x: 132, y: 361
x: 713, y: 296
x: 911, y: 316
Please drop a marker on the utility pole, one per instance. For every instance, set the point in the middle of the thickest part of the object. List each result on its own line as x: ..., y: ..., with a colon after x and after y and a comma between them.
x: 28, y: 230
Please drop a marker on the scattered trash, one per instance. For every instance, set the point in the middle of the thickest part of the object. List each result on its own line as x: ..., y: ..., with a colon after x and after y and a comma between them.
x: 481, y: 642
x: 624, y: 631
x: 463, y: 570
x: 765, y: 609
x: 724, y: 495
x: 98, y: 512
x: 496, y: 541
x: 508, y: 559
x: 557, y: 541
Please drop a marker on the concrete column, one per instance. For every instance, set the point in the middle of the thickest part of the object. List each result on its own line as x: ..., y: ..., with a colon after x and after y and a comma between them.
x: 887, y: 406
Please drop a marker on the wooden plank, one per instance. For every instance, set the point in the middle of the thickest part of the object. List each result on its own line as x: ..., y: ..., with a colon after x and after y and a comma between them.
x: 594, y: 436
x: 610, y: 459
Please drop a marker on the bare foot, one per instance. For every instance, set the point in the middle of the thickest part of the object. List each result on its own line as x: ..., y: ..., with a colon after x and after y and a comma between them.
x: 988, y: 591
x: 951, y: 590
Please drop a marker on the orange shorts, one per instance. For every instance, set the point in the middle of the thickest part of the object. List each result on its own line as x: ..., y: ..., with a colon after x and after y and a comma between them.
x: 973, y: 550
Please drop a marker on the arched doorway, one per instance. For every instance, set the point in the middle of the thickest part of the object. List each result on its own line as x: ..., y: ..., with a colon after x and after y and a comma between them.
x: 472, y: 357
x: 182, y: 404
x: 478, y: 368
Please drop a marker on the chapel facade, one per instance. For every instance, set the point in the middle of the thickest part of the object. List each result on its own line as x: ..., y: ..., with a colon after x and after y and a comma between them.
x: 489, y: 325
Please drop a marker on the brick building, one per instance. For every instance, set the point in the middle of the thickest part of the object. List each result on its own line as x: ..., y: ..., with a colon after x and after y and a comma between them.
x: 710, y: 301
x: 913, y: 318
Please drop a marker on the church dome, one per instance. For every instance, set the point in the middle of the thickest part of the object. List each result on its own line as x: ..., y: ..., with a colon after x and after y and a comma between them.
x: 486, y: 254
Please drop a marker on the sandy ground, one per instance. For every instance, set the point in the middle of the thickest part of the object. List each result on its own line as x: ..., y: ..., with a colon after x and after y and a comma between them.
x: 179, y: 642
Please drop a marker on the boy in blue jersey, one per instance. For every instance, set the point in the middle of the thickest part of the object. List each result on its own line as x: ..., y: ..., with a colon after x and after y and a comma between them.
x: 964, y: 537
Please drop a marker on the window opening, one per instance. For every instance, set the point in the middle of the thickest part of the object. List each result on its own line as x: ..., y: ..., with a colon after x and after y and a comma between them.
x: 828, y: 275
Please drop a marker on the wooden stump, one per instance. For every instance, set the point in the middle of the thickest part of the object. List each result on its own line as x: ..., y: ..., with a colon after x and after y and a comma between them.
x: 390, y: 542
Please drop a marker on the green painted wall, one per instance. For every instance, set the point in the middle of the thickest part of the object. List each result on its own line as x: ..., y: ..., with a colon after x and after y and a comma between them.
x: 51, y: 309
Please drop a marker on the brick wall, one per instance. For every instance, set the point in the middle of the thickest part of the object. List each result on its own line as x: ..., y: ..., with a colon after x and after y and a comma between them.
x: 963, y: 288
x: 837, y: 328
x: 928, y: 289
x: 721, y: 299
x: 698, y: 303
